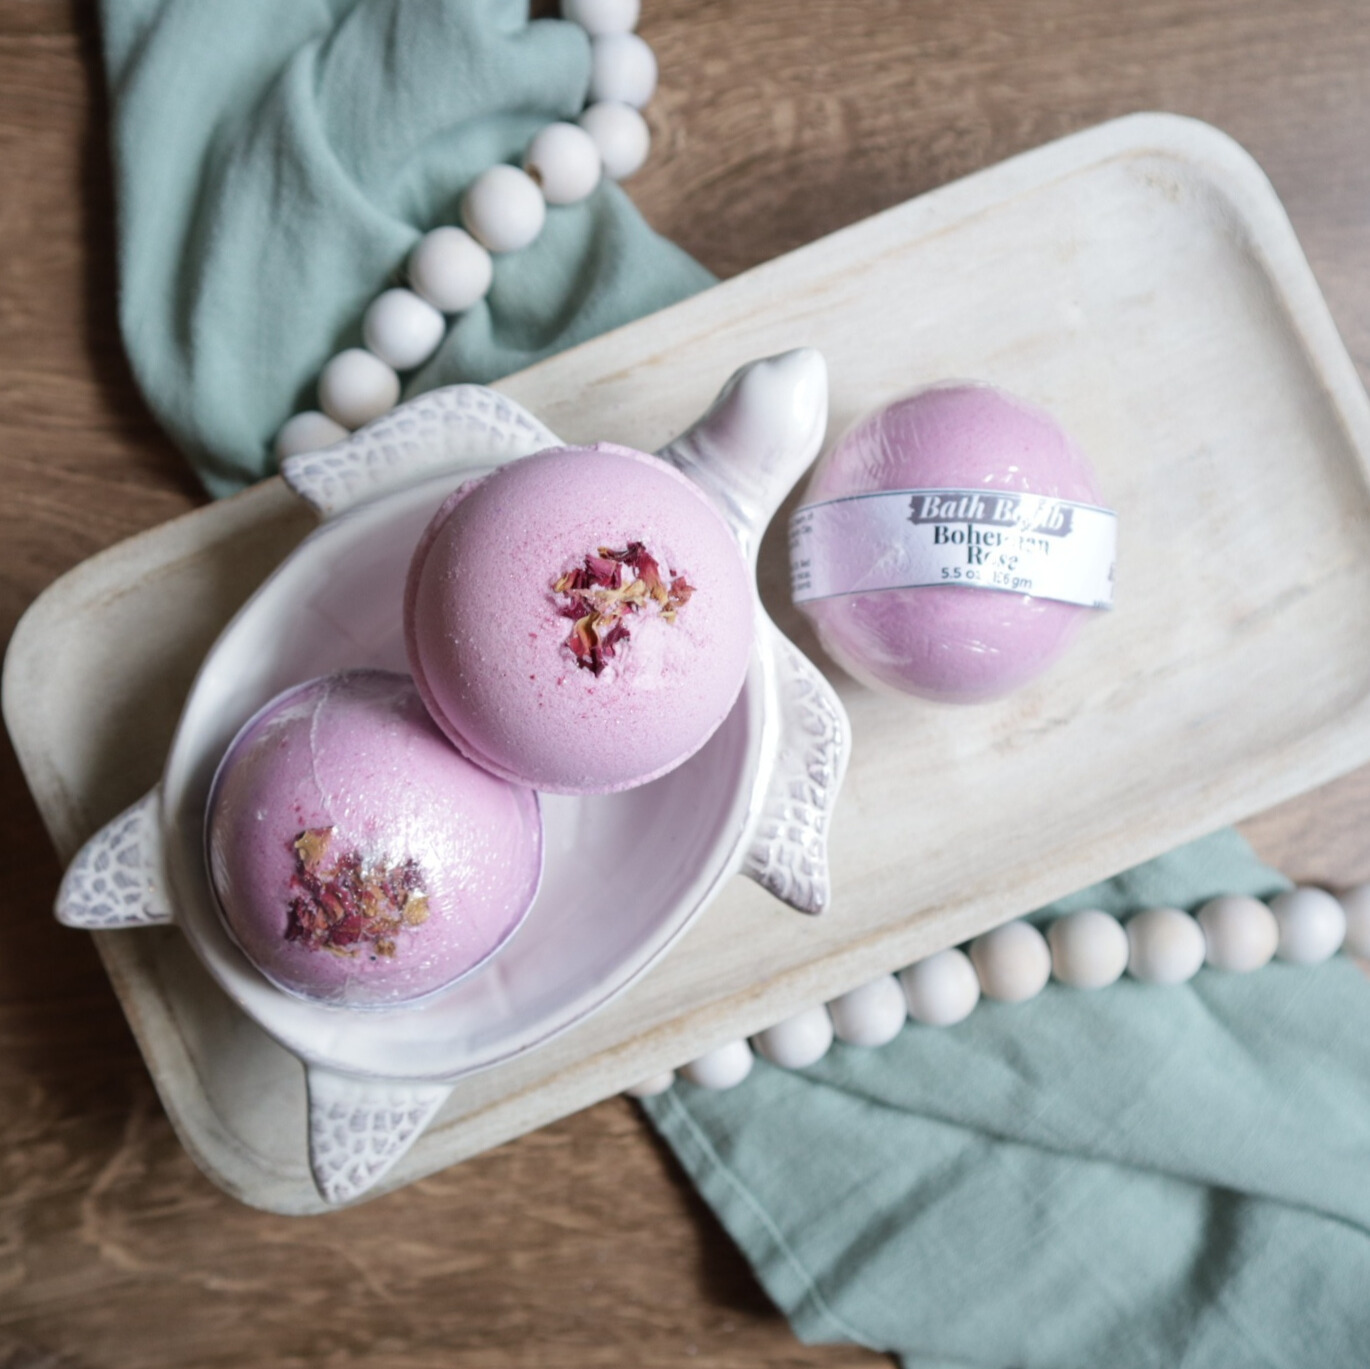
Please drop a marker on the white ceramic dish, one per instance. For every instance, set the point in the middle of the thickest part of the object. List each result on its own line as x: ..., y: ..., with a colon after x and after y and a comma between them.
x: 660, y: 852
x: 579, y: 945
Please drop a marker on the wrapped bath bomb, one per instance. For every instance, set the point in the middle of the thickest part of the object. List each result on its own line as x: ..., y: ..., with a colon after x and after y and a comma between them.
x: 951, y: 544
x: 358, y: 860
x: 579, y: 621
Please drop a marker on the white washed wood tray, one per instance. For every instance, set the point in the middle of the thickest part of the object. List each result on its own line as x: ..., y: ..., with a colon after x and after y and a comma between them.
x: 1142, y: 282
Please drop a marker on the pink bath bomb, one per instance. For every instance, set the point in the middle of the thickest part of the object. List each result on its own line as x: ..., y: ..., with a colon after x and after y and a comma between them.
x: 579, y: 621
x: 358, y: 859
x: 955, y: 643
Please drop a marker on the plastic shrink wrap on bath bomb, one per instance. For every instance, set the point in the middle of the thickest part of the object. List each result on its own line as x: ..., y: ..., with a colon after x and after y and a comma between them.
x: 579, y: 621
x: 946, y: 586
x: 359, y: 860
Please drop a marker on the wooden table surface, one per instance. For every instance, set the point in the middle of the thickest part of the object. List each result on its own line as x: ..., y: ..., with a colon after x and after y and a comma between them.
x: 777, y: 121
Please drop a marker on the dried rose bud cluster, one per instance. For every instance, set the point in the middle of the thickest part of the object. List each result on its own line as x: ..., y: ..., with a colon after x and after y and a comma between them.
x: 597, y: 600
x: 360, y: 861
x: 594, y: 545
x: 342, y: 902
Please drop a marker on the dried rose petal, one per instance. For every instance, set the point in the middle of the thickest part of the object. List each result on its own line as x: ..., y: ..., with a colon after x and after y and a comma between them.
x: 616, y: 634
x: 311, y: 845
x: 342, y: 905
x: 597, y: 600
x: 584, y: 640
x: 605, y: 571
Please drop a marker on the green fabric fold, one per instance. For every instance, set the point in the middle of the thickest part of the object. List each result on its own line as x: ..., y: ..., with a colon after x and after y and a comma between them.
x: 276, y: 162
x: 1135, y: 1176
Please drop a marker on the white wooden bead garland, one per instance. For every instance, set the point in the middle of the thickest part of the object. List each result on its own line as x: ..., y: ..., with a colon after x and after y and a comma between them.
x: 599, y: 17
x: 1164, y: 946
x: 450, y: 269
x: 503, y: 210
x: 649, y: 1088
x: 941, y: 990
x: 622, y: 70
x: 722, y: 1068
x: 1312, y: 925
x: 798, y: 1041
x: 621, y: 136
x: 1356, y: 905
x: 1012, y: 962
x: 402, y: 329
x: 307, y: 432
x: 871, y: 1015
x: 564, y: 162
x: 356, y: 387
x: 1088, y: 950
x: 1240, y: 934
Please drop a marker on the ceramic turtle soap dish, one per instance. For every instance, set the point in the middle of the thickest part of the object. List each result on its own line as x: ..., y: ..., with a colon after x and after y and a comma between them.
x: 756, y: 799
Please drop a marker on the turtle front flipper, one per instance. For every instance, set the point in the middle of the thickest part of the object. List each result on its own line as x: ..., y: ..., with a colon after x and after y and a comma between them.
x: 788, y: 851
x: 459, y: 425
x: 116, y: 878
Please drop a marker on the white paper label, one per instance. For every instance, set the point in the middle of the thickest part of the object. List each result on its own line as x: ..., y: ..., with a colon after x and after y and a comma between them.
x: 903, y: 539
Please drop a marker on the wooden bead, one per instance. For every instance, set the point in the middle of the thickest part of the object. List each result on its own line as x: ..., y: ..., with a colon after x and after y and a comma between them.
x: 598, y: 17
x: 798, y: 1041
x: 355, y: 387
x: 503, y: 209
x: 872, y: 1015
x: 402, y: 329
x: 564, y: 161
x: 1312, y: 925
x: 450, y: 269
x: 621, y: 135
x: 1356, y: 905
x: 1088, y: 949
x: 649, y: 1088
x: 942, y: 989
x: 1165, y: 946
x: 1013, y: 962
x: 722, y: 1068
x: 622, y: 69
x: 309, y: 431
x: 1241, y: 933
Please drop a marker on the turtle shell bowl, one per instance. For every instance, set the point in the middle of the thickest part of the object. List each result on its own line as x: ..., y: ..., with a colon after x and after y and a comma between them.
x: 624, y: 874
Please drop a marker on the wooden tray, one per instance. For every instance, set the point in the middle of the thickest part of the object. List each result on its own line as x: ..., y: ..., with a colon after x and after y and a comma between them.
x: 1141, y: 281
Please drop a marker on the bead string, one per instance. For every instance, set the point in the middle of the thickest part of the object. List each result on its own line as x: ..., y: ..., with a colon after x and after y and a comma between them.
x: 503, y: 210
x: 1084, y: 950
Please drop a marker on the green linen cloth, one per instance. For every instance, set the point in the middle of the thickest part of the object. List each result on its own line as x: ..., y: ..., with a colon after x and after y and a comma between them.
x: 1131, y: 1177
x: 1110, y: 1179
x: 275, y: 160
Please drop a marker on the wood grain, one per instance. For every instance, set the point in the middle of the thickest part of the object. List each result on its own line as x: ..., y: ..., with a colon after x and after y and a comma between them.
x: 776, y: 123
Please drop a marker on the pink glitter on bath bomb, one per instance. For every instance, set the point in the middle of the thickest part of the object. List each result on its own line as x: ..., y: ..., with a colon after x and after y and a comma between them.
x: 579, y: 621
x: 358, y: 860
x: 955, y: 643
